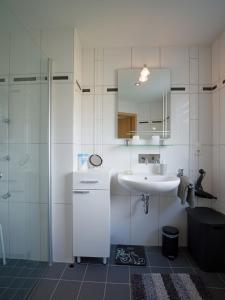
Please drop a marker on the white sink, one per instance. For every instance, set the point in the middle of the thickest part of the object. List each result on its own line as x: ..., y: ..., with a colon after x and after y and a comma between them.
x: 147, y: 183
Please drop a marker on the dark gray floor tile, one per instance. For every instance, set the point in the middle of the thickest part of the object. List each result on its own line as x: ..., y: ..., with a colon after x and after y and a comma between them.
x: 139, y: 270
x: 161, y: 270
x: 217, y: 294
x: 8, y: 294
x: 66, y: 290
x: 91, y: 260
x: 29, y: 283
x: 93, y: 291
x: 37, y: 273
x: 96, y: 273
x: 117, y: 291
x: 5, y: 281
x: 54, y: 271
x: 118, y: 274
x: 180, y: 261
x: 75, y: 273
x: 2, y: 290
x: 153, y: 249
x: 7, y: 271
x: 11, y: 262
x: 211, y: 279
x: 158, y: 260
x: 44, y: 289
x: 17, y: 283
x: 21, y: 294
x: 184, y: 270
x: 23, y: 272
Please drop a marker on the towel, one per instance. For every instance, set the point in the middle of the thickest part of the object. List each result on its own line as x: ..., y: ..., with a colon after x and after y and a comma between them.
x: 186, y: 191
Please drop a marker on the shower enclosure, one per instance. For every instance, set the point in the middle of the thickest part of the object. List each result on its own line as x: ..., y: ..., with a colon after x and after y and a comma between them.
x: 25, y: 211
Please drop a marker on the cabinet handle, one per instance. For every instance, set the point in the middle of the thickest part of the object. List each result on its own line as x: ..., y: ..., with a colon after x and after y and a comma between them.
x: 81, y: 192
x: 89, y: 181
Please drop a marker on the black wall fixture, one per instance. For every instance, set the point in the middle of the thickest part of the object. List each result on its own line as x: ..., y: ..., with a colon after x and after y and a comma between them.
x: 60, y: 77
x: 214, y: 87
x: 2, y: 79
x: 224, y: 81
x: 178, y: 89
x: 112, y: 89
x: 20, y: 79
x: 143, y: 122
x: 78, y: 85
x: 207, y: 88
x: 86, y: 90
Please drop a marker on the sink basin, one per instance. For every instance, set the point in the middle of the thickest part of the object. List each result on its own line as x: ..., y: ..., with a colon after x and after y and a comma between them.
x: 147, y: 183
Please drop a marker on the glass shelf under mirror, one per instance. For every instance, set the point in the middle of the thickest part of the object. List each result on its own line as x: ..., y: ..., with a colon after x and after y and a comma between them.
x: 145, y: 145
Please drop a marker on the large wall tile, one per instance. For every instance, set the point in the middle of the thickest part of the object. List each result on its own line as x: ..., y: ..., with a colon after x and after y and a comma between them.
x: 114, y: 59
x: 221, y: 55
x: 205, y: 119
x: 62, y: 113
x: 177, y: 59
x: 4, y: 53
x: 222, y: 114
x: 88, y: 67
x: 215, y: 61
x: 205, y: 65
x: 145, y: 55
x: 62, y: 233
x: 62, y: 168
x: 216, y: 117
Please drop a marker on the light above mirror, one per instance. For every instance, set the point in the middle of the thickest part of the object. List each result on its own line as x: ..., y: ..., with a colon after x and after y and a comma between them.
x: 143, y: 107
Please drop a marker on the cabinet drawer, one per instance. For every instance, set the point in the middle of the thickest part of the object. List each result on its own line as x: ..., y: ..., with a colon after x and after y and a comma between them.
x: 91, y: 180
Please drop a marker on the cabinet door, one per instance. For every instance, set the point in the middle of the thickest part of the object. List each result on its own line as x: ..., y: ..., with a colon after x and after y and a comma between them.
x: 91, y: 223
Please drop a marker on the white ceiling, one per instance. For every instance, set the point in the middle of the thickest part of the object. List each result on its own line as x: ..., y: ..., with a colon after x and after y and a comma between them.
x: 128, y: 22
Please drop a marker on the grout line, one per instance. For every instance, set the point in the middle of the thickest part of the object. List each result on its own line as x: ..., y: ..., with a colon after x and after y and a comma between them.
x: 82, y: 281
x: 58, y: 282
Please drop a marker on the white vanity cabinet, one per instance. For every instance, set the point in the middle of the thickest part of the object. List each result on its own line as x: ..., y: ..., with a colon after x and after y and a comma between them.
x: 91, y: 214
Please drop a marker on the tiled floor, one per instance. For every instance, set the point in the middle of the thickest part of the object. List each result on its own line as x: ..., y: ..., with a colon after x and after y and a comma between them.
x: 93, y: 281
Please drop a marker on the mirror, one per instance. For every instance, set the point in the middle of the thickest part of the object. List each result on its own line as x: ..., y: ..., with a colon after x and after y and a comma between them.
x: 143, y: 107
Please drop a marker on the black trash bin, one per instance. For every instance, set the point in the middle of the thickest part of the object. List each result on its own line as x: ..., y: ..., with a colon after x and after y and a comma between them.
x: 206, y: 238
x: 170, y: 237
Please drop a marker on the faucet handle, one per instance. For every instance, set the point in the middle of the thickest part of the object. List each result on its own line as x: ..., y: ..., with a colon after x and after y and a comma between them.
x: 180, y: 172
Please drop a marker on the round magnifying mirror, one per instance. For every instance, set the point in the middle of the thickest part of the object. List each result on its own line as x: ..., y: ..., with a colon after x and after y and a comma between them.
x: 95, y: 160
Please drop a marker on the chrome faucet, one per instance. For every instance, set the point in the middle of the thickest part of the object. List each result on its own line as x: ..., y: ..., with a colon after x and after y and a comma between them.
x: 180, y: 172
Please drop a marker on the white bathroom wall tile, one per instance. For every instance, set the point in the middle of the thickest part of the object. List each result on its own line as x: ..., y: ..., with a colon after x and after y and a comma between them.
x: 194, y: 161
x: 34, y: 236
x: 177, y: 59
x: 109, y: 119
x: 144, y: 229
x: 77, y: 116
x: 216, y: 117
x: 194, y: 89
x: 205, y: 65
x: 114, y: 59
x: 145, y: 55
x: 194, y: 106
x: 44, y: 239
x: 136, y: 166
x: 222, y: 114
x: 221, y: 55
x: 194, y: 71
x: 62, y: 113
x: 4, y: 213
x: 4, y: 94
x: 44, y: 113
x: 77, y: 57
x: 4, y: 53
x: 76, y: 151
x: 205, y: 162
x: 204, y: 202
x: 87, y: 122
x: 62, y: 233
x: 176, y: 157
x: 194, y: 136
x: 180, y: 119
x: 43, y: 173
x: 205, y: 119
x: 25, y: 56
x: 219, y: 206
x: 58, y: 44
x: 62, y: 168
x: 216, y: 171
x: 99, y: 73
x: 120, y: 220
x: 215, y: 61
x: 172, y: 212
x: 193, y: 52
x: 24, y: 113
x: 88, y: 68
x: 19, y: 230
x: 116, y: 157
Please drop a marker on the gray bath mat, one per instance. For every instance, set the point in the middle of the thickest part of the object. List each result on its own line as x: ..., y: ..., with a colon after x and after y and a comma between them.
x: 130, y: 255
x: 179, y: 286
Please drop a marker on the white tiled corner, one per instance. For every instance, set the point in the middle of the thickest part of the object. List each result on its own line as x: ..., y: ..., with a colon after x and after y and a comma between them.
x: 205, y: 65
x: 194, y: 71
x: 215, y: 61
x: 88, y: 68
x: 194, y: 106
x: 205, y: 119
x: 216, y: 117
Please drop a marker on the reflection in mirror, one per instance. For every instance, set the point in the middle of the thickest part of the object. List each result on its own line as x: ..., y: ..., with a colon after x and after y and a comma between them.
x: 143, y: 107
